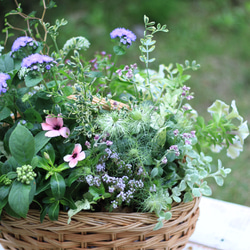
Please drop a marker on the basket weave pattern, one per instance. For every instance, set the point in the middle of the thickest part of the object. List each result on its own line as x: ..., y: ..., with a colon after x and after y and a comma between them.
x: 101, y: 230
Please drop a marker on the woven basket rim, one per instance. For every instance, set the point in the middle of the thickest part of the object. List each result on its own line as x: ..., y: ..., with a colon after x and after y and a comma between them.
x: 133, y: 231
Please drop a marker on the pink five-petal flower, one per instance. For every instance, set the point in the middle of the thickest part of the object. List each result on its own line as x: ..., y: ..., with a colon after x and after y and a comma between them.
x: 77, y: 155
x: 54, y: 125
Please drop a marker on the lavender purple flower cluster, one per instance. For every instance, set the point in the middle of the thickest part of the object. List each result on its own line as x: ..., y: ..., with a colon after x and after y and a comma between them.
x: 37, y: 59
x: 3, y: 85
x: 23, y: 41
x: 126, y: 36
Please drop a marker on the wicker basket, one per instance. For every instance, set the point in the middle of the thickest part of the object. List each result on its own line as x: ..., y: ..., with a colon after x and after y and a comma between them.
x: 101, y: 230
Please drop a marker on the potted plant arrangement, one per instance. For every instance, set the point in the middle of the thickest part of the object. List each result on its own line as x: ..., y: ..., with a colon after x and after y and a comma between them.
x: 100, y: 155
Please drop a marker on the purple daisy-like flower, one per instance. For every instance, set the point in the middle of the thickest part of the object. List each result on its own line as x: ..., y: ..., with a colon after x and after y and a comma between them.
x: 22, y: 41
x: 3, y: 85
x: 126, y: 36
x: 36, y: 58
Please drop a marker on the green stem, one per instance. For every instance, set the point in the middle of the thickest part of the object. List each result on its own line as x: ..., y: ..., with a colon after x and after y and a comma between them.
x: 113, y: 67
x: 54, y: 41
x: 46, y: 86
x: 18, y: 110
x: 57, y: 86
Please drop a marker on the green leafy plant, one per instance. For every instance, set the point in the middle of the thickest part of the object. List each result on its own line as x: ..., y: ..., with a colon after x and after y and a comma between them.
x: 86, y: 134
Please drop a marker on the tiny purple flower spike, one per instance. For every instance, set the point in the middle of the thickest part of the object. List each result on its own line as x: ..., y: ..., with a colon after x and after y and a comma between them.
x: 77, y: 155
x: 55, y: 128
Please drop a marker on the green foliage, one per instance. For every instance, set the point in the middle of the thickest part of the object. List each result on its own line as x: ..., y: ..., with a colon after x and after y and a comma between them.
x: 68, y: 146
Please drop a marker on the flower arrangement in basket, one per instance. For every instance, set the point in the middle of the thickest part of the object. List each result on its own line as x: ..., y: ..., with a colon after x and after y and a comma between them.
x: 89, y: 135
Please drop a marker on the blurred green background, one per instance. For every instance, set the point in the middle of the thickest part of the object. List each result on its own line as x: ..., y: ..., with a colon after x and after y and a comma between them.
x: 215, y: 33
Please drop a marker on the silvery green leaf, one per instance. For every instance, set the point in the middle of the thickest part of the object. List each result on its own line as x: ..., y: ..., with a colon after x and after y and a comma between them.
x: 188, y: 197
x: 158, y: 225
x: 81, y: 205
x: 205, y: 189
x: 142, y: 58
x: 168, y: 215
x: 219, y: 180
x: 196, y: 192
x: 151, y: 60
x: 203, y: 174
x: 146, y: 19
x: 151, y: 49
x: 142, y: 49
x: 176, y: 198
x: 182, y: 185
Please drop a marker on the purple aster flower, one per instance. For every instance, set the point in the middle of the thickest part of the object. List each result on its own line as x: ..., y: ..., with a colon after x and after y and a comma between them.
x: 36, y: 58
x: 3, y: 85
x: 22, y: 41
x: 126, y: 36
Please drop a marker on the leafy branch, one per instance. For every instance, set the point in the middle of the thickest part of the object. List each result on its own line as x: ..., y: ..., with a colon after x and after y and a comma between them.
x: 31, y: 21
x: 148, y: 44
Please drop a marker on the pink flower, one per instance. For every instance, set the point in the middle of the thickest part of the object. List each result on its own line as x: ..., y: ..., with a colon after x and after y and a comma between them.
x: 55, y: 127
x: 77, y: 155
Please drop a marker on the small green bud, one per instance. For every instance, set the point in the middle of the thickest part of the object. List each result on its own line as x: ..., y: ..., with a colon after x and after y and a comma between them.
x: 46, y: 156
x: 25, y: 174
